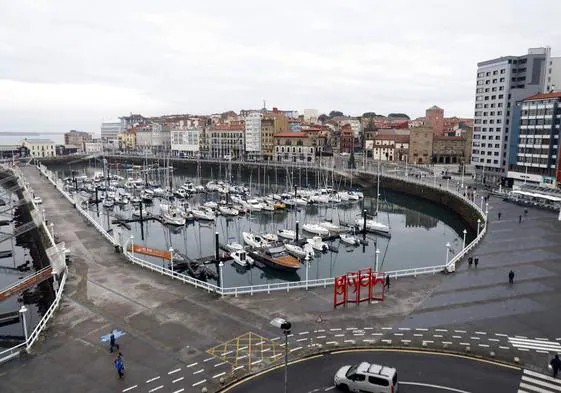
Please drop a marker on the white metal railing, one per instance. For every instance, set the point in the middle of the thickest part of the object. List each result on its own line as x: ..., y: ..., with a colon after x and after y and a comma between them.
x: 14, y: 351
x: 287, y: 286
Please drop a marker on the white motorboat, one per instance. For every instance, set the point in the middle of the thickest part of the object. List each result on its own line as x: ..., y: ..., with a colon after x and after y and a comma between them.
x: 287, y: 234
x: 349, y: 239
x: 295, y: 250
x: 228, y: 211
x: 236, y: 199
x: 271, y: 237
x: 173, y: 217
x: 211, y: 204
x: 233, y: 246
x: 199, y: 188
x: 269, y: 207
x: 317, y: 243
x: 181, y: 193
x: 309, y: 250
x: 203, y: 214
x: 158, y: 191
x: 300, y: 202
x: 324, y: 199
x: 316, y: 229
x: 108, y: 203
x: 331, y: 227
x: 37, y: 200
x: 254, y: 241
x: 241, y: 258
x: 373, y: 226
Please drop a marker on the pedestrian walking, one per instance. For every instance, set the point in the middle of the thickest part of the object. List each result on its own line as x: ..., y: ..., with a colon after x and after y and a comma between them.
x: 499, y: 215
x: 120, y: 365
x: 387, y: 283
x: 470, y: 261
x: 511, y: 277
x: 555, y: 365
x: 476, y: 261
x: 520, y: 218
x: 113, y: 343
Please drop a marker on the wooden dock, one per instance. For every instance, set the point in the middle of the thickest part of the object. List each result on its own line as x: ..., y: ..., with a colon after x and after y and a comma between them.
x: 27, y: 282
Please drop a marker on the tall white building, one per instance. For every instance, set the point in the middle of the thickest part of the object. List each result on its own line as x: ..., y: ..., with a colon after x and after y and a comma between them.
x: 500, y: 84
x: 111, y: 129
x: 186, y: 141
x: 253, y: 134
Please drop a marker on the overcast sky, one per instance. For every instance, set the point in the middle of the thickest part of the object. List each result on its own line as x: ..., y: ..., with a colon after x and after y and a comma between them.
x: 72, y: 64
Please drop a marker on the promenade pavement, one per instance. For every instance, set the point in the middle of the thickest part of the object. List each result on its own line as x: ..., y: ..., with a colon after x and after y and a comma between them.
x: 170, y: 327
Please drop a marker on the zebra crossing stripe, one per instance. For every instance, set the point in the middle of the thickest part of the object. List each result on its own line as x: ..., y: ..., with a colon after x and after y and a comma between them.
x: 535, y: 382
x: 550, y: 346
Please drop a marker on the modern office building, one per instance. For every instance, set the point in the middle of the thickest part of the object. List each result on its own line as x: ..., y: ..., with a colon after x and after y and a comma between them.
x: 253, y: 134
x: 111, y: 129
x: 501, y: 83
x: 536, y: 151
x: 185, y: 141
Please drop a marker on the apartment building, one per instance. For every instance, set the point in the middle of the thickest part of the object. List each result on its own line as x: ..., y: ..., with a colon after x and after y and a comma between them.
x: 186, y: 141
x: 227, y: 141
x: 536, y: 149
x: 77, y: 138
x: 294, y: 147
x: 252, y: 133
x: 501, y: 82
x: 39, y: 148
x: 111, y: 129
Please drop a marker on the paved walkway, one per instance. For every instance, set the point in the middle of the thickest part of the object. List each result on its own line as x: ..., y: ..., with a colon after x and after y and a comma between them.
x: 170, y: 326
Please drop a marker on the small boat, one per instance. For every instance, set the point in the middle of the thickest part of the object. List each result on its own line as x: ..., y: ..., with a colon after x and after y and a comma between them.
x: 254, y: 206
x: 233, y: 246
x: 37, y: 200
x: 295, y: 250
x: 203, y: 213
x: 136, y: 212
x: 108, y: 203
x: 300, y: 202
x: 331, y: 227
x: 309, y: 250
x: 181, y: 193
x: 317, y: 243
x: 241, y: 258
x: 279, y: 205
x: 349, y: 239
x: 173, y: 217
x: 254, y: 241
x: 268, y: 207
x: 373, y: 226
x: 277, y: 258
x: 316, y: 229
x: 211, y: 204
x: 287, y: 234
x: 147, y: 196
x: 228, y: 211
x: 158, y: 191
x: 271, y: 237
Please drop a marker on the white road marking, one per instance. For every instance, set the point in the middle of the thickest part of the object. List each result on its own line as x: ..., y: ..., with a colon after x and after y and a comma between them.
x: 130, y: 388
x: 180, y: 390
x: 302, y: 333
x: 242, y: 357
x: 339, y: 335
x: 329, y: 388
x: 174, y: 371
x: 501, y: 335
x: 437, y: 335
x: 245, y: 347
x: 266, y: 350
x: 295, y: 349
x: 198, y: 372
x: 398, y: 334
x: 519, y: 343
x: 209, y: 359
x: 368, y: 328
x: 199, y: 383
x: 302, y: 339
x: 460, y: 331
x: 227, y: 353
x: 332, y: 342
x: 335, y: 329
x: 219, y: 364
x: 456, y: 336
x: 440, y: 330
x: 501, y: 347
x: 178, y: 379
x: 320, y: 336
x: 192, y: 364
x: 219, y: 375
x: 417, y: 334
x: 351, y: 328
x: 483, y: 345
x: 475, y: 338
x: 237, y: 368
x: 320, y: 330
x: 466, y: 344
x: 404, y: 329
x: 153, y: 379
x: 483, y: 333
x: 386, y: 328
x: 428, y: 385
x: 155, y: 389
x: 421, y: 329
x: 446, y: 342
x: 349, y: 341
x: 523, y: 337
x: 494, y: 340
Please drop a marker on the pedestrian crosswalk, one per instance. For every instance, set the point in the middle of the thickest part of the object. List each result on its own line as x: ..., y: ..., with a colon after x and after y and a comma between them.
x: 533, y: 382
x: 535, y: 344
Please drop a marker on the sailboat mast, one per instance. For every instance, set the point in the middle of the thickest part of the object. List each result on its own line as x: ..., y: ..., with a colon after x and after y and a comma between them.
x: 378, y: 187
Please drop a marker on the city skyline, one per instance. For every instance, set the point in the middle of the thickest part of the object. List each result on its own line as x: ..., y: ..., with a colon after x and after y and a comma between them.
x: 68, y: 69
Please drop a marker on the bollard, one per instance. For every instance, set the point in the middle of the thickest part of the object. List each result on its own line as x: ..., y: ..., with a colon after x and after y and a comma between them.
x: 204, y: 389
x: 468, y: 349
x: 492, y: 354
x: 516, y: 359
x: 424, y: 344
x: 222, y: 381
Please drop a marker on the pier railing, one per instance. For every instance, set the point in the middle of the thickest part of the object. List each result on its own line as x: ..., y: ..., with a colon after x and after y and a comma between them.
x: 431, y: 182
x: 15, y: 351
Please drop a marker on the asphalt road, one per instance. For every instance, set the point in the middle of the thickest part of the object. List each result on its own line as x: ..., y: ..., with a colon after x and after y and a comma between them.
x: 417, y: 372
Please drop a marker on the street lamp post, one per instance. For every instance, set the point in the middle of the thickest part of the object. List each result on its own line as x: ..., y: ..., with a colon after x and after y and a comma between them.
x: 307, y: 262
x: 463, y: 173
x: 285, y: 326
x: 171, y: 261
x: 52, y: 226
x: 132, y: 245
x: 478, y: 225
x: 486, y: 209
x: 465, y: 233
x: 377, y: 258
x: 448, y: 245
x: 220, y: 268
x: 482, y: 198
x: 23, y: 312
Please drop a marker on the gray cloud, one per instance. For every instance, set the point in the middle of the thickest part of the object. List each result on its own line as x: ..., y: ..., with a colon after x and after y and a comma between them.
x: 71, y: 64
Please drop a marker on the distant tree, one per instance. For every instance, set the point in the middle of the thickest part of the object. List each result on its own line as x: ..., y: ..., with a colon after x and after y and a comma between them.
x: 369, y: 114
x: 335, y: 113
x: 398, y: 115
x: 323, y: 118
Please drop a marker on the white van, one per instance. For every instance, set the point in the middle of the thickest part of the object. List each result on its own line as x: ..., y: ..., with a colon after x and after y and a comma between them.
x: 367, y: 377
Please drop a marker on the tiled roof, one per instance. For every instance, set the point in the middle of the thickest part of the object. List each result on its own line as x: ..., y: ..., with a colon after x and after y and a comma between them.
x: 544, y: 96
